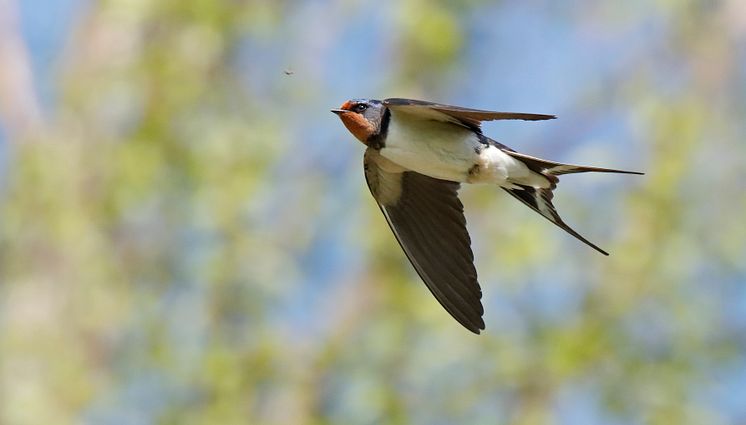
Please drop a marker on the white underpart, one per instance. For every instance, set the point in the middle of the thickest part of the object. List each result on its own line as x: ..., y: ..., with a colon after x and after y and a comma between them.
x: 434, y: 148
x: 447, y: 151
x: 496, y: 166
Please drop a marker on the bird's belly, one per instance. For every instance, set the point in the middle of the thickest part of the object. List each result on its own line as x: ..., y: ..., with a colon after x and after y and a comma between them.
x: 442, y: 151
x: 496, y: 166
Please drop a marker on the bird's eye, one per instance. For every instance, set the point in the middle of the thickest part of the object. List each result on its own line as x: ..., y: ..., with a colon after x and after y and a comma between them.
x: 360, y: 107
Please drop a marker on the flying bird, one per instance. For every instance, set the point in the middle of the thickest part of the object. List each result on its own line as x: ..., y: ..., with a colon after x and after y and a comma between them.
x: 418, y: 154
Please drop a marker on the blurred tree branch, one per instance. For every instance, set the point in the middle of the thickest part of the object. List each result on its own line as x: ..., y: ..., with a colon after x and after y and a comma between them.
x: 19, y: 106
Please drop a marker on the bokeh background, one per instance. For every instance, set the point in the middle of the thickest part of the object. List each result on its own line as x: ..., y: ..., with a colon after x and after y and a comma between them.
x: 186, y: 236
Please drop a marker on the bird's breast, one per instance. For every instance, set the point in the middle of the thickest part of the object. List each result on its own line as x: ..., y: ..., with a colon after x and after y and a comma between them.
x: 436, y: 149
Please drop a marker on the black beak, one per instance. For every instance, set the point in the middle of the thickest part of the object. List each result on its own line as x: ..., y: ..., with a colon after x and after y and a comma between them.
x: 339, y: 111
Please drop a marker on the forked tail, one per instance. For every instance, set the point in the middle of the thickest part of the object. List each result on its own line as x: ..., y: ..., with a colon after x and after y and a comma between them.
x: 540, y: 199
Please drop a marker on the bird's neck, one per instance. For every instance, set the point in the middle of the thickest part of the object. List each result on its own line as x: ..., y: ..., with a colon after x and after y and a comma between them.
x: 377, y: 140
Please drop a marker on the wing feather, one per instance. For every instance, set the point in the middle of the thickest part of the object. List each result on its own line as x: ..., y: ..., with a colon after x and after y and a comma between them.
x: 465, y: 116
x: 427, y: 219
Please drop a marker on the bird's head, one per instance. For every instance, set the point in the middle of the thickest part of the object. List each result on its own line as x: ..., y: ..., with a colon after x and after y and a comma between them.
x: 362, y: 117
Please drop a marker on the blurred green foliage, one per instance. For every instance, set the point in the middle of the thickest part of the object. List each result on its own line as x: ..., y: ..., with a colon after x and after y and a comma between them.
x: 150, y: 264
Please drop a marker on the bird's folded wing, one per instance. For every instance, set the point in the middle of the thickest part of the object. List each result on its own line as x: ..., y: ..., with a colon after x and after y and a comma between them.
x: 427, y: 219
x: 465, y: 116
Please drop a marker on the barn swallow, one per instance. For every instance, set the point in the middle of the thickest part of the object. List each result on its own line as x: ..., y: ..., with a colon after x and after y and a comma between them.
x: 418, y: 154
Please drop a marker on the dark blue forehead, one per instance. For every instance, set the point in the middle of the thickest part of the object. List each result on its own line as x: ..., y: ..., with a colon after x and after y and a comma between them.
x: 368, y: 101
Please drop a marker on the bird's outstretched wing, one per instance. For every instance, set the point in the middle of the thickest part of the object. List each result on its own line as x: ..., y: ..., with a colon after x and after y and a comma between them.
x: 468, y: 117
x: 427, y: 219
